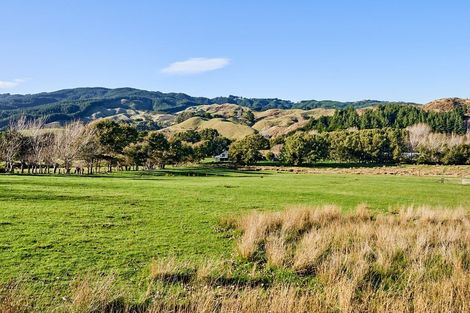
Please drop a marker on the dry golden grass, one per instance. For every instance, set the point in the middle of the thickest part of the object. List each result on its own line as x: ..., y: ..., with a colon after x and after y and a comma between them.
x: 447, y: 104
x: 414, y: 259
x: 90, y: 294
x: 227, y: 129
x: 277, y: 299
x: 276, y: 122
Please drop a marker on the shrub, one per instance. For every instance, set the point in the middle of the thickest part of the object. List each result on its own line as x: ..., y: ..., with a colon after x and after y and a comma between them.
x: 459, y: 154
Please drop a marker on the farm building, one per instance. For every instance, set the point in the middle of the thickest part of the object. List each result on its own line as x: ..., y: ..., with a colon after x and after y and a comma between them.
x: 222, y: 157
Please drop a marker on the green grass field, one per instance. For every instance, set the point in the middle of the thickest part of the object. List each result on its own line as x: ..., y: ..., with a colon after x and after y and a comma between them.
x: 53, y: 228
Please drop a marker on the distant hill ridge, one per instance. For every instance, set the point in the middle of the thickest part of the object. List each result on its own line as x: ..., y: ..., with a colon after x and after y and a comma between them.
x: 81, y: 103
x: 448, y: 104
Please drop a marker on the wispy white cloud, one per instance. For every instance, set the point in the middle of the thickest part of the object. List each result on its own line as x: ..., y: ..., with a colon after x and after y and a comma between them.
x: 8, y: 84
x: 195, y: 66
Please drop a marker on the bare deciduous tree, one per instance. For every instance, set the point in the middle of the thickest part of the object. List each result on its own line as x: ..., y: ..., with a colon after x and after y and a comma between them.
x: 12, y: 142
x: 34, y: 130
x: 69, y: 143
x: 421, y: 135
x: 417, y: 134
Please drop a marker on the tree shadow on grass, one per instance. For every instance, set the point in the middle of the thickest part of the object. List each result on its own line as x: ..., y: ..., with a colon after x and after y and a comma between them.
x: 119, y: 305
x: 183, y: 171
x: 202, y: 171
x: 220, y: 281
x: 332, y: 165
x: 199, y: 171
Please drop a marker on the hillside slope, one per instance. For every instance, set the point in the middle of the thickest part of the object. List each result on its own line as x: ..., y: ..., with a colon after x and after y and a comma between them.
x: 226, y: 128
x: 275, y: 122
x: 86, y: 103
x: 448, y: 104
x: 235, y: 121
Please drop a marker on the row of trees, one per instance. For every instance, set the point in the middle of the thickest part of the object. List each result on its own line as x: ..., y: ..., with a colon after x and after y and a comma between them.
x: 377, y: 146
x: 28, y: 146
x: 417, y: 144
x: 393, y: 116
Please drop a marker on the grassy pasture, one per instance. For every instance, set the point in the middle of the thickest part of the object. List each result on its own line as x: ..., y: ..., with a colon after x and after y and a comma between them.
x: 53, y: 228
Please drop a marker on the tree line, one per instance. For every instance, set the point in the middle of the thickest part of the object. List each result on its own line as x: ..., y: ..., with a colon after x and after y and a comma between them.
x: 393, y: 116
x: 106, y: 145
x: 27, y: 146
x: 416, y: 144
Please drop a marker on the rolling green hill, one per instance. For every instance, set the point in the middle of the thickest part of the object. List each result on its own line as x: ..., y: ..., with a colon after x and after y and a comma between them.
x: 82, y: 103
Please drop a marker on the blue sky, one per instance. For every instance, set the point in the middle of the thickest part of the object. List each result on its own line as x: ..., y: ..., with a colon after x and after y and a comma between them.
x: 341, y: 50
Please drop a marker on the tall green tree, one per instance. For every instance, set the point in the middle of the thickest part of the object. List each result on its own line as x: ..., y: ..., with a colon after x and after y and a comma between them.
x: 136, y: 154
x: 114, y: 137
x: 157, y: 147
x: 302, y: 148
x: 247, y: 150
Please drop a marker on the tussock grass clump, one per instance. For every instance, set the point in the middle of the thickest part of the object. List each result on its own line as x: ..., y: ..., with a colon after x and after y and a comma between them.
x: 412, y: 259
x: 278, y: 228
x: 92, y: 294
